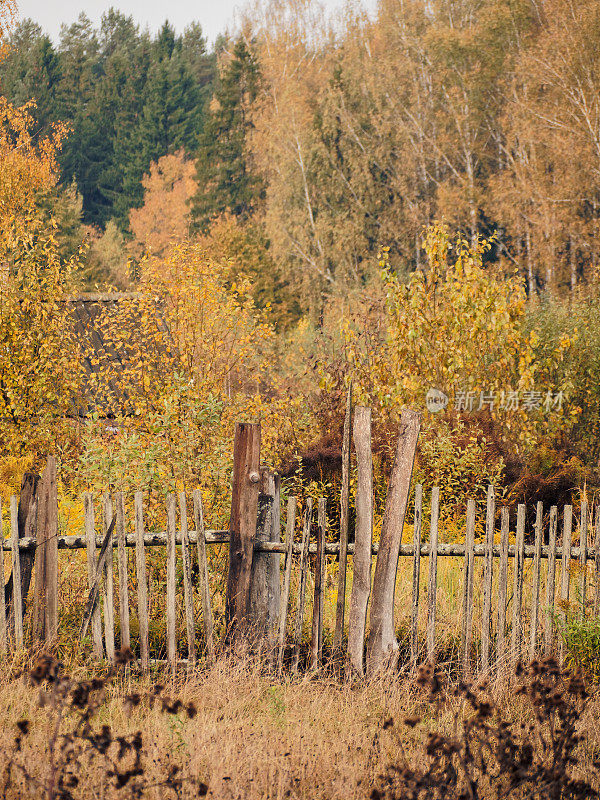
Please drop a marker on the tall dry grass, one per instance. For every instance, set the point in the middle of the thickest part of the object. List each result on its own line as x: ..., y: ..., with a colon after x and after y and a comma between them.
x: 249, y: 736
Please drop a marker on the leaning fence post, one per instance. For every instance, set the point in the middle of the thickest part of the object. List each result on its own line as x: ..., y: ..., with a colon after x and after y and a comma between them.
x: 363, y: 539
x: 344, y: 512
x: 242, y: 525
x: 467, y: 619
x: 382, y: 645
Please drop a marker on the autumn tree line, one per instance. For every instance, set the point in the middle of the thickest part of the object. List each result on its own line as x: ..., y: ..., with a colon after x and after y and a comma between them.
x: 396, y: 202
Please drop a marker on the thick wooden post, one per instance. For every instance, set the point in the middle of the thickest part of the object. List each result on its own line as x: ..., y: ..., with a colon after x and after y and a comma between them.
x: 242, y: 525
x: 344, y: 513
x: 361, y: 579
x: 264, y: 594
x: 382, y: 644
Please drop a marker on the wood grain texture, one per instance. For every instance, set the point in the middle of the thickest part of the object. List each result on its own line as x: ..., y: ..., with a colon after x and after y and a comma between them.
x: 3, y: 631
x: 242, y: 525
x: 535, y: 581
x: 316, y: 642
x: 16, y: 572
x: 344, y: 506
x: 565, y: 566
x: 363, y: 539
x: 382, y: 647
x: 90, y: 532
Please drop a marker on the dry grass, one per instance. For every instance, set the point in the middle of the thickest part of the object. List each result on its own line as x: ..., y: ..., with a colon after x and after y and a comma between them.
x: 250, y: 736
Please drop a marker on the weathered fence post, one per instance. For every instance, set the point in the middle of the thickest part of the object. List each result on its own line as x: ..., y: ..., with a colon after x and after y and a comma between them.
x: 108, y: 595
x: 363, y: 539
x: 242, y: 525
x: 502, y: 588
x: 16, y: 571
x: 90, y: 534
x: 45, y: 607
x: 517, y: 626
x: 302, y: 582
x: 188, y: 594
x: 264, y: 576
x: 583, y: 543
x: 565, y: 569
x: 344, y: 512
x: 171, y: 567
x: 382, y: 644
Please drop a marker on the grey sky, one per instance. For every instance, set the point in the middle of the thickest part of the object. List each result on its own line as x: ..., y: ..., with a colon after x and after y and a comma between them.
x: 213, y: 15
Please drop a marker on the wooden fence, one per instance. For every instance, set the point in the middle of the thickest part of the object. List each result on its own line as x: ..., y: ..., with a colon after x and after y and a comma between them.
x: 270, y: 575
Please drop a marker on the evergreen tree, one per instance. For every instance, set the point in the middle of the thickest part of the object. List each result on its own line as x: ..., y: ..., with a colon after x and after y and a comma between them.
x: 226, y: 182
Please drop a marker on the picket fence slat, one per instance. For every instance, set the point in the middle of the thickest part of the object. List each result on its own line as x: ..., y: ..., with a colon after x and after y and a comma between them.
x: 432, y: 584
x: 188, y: 592
x: 583, y: 537
x: 290, y: 527
x: 597, y: 563
x: 316, y: 649
x: 302, y: 584
x: 518, y: 567
x: 142, y: 580
x: 203, y: 580
x: 486, y: 612
x: 502, y: 587
x: 90, y: 531
x: 467, y: 610
x: 17, y: 604
x: 564, y: 569
x: 171, y: 567
x: 551, y: 583
x: 3, y: 636
x: 414, y: 622
x: 535, y: 581
x: 344, y: 508
x: 108, y: 594
x: 122, y: 572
